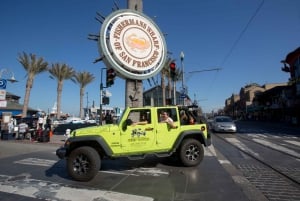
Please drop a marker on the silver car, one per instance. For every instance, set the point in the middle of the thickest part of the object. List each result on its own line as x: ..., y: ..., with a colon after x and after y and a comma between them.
x: 223, y: 124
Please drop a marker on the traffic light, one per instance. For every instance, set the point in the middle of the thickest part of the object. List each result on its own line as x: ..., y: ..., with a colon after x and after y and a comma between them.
x: 110, y: 77
x: 173, y: 70
x: 105, y: 100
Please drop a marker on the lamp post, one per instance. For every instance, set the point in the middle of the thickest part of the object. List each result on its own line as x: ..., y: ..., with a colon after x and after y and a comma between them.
x: 6, y: 116
x: 87, y: 105
x: 101, y: 96
x: 182, y: 69
x: 5, y: 71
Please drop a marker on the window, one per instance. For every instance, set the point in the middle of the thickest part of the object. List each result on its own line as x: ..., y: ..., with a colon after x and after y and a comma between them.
x: 140, y: 116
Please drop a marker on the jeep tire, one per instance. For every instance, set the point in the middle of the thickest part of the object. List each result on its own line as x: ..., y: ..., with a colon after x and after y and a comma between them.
x: 191, y: 152
x: 83, y: 163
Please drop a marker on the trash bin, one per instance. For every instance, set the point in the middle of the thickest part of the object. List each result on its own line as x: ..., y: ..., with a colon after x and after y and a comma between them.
x: 43, y: 136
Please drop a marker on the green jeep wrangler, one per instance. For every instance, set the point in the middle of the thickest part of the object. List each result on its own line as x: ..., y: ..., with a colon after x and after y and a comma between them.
x: 138, y: 132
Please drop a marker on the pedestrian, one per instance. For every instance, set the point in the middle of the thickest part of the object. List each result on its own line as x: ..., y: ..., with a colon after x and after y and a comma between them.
x: 23, y: 128
x: 41, y: 122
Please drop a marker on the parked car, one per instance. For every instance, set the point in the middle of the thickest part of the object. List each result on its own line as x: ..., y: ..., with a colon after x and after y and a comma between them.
x: 223, y: 124
x: 60, y: 129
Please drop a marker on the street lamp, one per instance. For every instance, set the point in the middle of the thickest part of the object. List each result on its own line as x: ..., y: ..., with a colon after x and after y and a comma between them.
x: 5, y: 71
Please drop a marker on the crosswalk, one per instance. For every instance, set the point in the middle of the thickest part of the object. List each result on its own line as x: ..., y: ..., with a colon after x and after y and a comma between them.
x: 25, y: 186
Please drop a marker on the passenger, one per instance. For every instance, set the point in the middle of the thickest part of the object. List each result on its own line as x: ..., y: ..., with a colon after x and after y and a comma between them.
x: 165, y: 118
x: 183, y: 117
x: 143, y: 121
x: 191, y: 120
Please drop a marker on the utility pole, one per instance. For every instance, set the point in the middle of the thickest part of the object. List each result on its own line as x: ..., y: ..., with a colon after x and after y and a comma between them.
x: 182, y: 69
x: 134, y: 88
x: 87, y: 104
x: 101, y: 97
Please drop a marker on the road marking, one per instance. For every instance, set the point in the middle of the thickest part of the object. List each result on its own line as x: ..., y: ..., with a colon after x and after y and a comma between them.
x: 155, y: 172
x: 37, y: 162
x: 45, y: 190
x: 210, y: 151
x: 224, y: 162
x: 277, y: 147
x: 293, y: 142
x: 242, y: 146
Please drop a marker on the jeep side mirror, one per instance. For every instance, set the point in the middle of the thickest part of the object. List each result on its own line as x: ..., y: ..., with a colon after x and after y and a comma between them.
x: 126, y: 123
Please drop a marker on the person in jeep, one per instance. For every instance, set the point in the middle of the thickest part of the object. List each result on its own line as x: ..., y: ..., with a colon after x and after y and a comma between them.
x: 165, y: 118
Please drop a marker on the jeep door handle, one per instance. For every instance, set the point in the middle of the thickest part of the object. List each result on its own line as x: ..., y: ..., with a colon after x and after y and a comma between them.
x: 149, y: 129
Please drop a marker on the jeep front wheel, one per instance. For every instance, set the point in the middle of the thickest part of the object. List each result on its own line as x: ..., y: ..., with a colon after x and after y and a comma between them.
x: 83, y: 163
x: 191, y: 152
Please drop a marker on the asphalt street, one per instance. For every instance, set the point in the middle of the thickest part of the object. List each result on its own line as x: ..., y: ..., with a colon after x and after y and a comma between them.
x: 30, y: 166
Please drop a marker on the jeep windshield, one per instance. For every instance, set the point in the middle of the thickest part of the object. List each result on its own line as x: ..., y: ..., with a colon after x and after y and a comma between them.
x: 120, y: 117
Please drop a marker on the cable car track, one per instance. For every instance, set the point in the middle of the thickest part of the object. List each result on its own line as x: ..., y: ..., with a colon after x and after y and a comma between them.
x: 293, y: 155
x: 259, y: 159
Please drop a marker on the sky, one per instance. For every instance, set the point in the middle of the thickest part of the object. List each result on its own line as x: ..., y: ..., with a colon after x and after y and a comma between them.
x: 246, y: 39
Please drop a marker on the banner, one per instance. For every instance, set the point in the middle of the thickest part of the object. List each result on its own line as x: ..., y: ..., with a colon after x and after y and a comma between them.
x: 3, y: 83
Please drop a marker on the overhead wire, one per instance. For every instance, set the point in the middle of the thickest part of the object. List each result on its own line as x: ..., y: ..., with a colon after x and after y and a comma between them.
x: 236, y: 42
x: 242, y: 33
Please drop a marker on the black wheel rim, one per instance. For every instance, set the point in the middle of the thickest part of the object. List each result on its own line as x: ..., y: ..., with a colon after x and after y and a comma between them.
x: 81, y: 164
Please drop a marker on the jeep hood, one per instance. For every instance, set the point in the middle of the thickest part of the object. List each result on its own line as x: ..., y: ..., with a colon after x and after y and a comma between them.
x: 95, y: 130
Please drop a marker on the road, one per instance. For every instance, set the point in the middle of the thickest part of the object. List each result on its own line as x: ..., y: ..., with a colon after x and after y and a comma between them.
x: 31, y: 171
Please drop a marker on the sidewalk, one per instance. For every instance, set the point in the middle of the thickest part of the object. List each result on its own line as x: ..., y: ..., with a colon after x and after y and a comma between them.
x: 57, y: 140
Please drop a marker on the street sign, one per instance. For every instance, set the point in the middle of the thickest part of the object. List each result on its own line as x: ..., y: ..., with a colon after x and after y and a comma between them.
x: 3, y: 103
x: 3, y: 83
x: 182, y: 96
x: 2, y: 94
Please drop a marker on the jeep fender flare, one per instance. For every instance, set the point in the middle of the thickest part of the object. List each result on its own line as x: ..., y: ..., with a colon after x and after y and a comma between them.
x: 196, y: 134
x: 89, y: 140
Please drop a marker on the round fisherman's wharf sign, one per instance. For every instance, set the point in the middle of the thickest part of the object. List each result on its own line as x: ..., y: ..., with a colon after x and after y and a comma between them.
x: 132, y: 44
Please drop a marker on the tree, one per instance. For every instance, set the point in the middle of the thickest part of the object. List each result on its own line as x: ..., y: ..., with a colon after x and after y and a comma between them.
x: 83, y: 79
x: 33, y: 66
x: 61, y: 72
x: 164, y: 73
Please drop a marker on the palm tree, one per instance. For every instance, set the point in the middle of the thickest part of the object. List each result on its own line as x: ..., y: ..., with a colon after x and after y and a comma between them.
x: 33, y: 66
x: 83, y: 79
x: 61, y: 72
x: 165, y: 73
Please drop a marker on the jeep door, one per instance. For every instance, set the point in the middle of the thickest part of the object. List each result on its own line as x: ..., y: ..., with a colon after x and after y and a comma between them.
x: 137, y: 134
x: 166, y: 135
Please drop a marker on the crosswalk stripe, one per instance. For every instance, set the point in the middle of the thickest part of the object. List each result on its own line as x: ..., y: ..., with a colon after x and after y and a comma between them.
x: 37, y: 162
x: 23, y: 185
x: 293, y: 142
x: 277, y: 147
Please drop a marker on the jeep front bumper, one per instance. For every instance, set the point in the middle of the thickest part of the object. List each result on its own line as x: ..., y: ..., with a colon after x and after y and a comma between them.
x: 61, y: 152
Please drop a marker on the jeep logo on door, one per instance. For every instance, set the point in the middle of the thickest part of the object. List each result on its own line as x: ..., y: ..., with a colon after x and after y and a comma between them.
x: 132, y: 44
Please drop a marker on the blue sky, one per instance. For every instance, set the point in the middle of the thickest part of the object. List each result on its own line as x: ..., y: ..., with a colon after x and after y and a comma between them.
x: 211, y: 33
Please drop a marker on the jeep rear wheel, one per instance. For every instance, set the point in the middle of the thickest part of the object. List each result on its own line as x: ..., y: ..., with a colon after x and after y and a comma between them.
x: 83, y: 163
x: 191, y: 152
